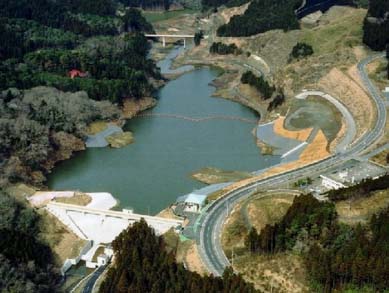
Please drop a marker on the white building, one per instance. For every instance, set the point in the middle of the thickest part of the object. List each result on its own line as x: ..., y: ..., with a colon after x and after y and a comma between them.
x: 193, y: 202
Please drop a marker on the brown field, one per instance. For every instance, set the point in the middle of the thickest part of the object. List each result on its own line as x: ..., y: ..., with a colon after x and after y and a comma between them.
x: 301, y: 135
x: 64, y: 243
x: 279, y: 273
x: 79, y: 198
x: 360, y: 210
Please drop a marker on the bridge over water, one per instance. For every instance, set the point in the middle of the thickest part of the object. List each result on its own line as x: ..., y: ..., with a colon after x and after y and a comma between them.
x: 164, y: 36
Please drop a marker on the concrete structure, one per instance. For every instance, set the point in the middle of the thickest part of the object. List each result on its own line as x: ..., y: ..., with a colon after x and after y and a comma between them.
x: 73, y: 261
x: 102, y: 226
x: 102, y: 260
x: 164, y: 36
x: 100, y: 200
x: 351, y: 173
x: 331, y: 183
x: 192, y: 202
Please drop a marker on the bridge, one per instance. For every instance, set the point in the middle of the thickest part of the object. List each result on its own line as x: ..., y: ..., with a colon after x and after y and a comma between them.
x: 102, y: 226
x: 164, y: 36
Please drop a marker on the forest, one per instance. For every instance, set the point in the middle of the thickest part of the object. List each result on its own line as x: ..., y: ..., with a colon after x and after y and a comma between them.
x: 63, y: 65
x: 376, y: 25
x: 142, y: 264
x: 262, y: 16
x: 337, y: 256
x: 259, y: 83
x: 117, y: 66
x: 26, y: 261
x: 224, y: 49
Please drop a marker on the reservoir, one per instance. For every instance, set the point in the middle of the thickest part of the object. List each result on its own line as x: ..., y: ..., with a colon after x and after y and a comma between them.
x: 151, y: 173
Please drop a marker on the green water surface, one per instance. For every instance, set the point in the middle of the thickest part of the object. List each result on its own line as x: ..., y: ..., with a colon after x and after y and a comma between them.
x: 151, y: 173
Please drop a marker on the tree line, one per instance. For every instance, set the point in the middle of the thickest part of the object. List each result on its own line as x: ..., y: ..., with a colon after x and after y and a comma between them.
x: 376, y: 25
x: 362, y: 189
x: 142, y: 264
x: 261, y: 16
x: 224, y: 49
x: 259, y: 83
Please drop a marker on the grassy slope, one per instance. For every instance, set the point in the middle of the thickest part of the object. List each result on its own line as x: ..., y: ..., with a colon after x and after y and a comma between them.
x: 154, y: 17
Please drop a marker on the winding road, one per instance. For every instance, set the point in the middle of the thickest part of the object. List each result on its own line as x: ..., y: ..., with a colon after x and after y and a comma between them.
x: 208, y: 237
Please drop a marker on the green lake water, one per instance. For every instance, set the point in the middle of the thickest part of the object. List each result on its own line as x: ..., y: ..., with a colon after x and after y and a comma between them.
x: 151, y: 173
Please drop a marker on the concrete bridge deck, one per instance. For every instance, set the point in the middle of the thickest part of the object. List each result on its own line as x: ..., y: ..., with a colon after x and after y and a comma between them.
x: 164, y: 36
x: 102, y: 226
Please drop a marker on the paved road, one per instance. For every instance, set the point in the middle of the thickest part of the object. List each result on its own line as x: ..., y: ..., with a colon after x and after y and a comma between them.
x: 208, y: 237
x: 92, y: 280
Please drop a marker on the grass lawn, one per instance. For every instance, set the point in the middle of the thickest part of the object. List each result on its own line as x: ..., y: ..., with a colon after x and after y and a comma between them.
x: 79, y: 198
x: 154, y: 17
x: 344, y: 29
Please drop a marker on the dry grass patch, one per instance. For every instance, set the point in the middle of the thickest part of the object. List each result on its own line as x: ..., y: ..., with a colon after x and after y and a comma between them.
x: 131, y: 107
x: 64, y: 243
x: 301, y: 135
x: 352, y: 95
x: 360, y: 210
x: 234, y: 230
x: 276, y: 273
x: 120, y: 139
x: 381, y: 158
x: 269, y: 209
x: 317, y: 149
x: 79, y: 198
x: 96, y: 127
x: 211, y: 175
x: 257, y: 211
x: 230, y: 12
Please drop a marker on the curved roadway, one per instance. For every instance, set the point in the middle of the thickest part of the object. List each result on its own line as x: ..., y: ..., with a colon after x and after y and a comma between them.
x: 208, y: 237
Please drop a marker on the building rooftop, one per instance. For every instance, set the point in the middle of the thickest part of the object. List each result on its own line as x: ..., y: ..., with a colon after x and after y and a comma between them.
x: 193, y: 198
x: 355, y: 171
